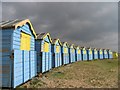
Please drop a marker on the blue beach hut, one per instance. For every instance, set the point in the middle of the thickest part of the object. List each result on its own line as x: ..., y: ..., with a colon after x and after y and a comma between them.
x: 78, y: 53
x: 105, y: 54
x: 72, y: 53
x: 89, y: 54
x: 95, y: 53
x: 84, y: 53
x: 100, y: 54
x: 65, y: 53
x: 110, y: 54
x: 57, y: 55
x: 18, y: 59
x: 44, y: 53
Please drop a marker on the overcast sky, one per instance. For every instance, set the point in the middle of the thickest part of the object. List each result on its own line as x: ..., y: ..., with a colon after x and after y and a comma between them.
x: 92, y: 24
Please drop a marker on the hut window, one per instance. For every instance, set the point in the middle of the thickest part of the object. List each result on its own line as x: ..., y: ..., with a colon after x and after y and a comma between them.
x: 100, y: 52
x: 105, y: 52
x: 72, y: 50
x: 78, y: 51
x: 25, y: 41
x: 84, y: 51
x: 95, y: 52
x: 111, y: 52
x: 65, y: 50
x: 57, y: 49
x: 46, y: 47
x: 90, y: 52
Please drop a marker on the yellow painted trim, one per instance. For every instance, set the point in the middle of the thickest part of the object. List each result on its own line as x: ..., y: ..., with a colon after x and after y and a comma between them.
x: 23, y: 23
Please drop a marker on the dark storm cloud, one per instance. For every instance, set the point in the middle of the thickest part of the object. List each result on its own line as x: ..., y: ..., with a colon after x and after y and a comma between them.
x: 80, y: 23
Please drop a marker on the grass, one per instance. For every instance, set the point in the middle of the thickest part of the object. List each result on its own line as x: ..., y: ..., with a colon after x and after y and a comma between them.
x: 86, y: 74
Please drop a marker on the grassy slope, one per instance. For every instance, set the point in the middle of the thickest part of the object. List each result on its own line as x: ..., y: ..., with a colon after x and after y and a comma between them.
x: 87, y: 74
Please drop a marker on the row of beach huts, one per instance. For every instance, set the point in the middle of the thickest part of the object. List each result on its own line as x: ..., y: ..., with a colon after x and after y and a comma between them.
x: 25, y: 54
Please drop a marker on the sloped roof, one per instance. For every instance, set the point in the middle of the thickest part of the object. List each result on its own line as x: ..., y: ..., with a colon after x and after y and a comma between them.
x: 16, y: 23
x: 43, y: 35
x: 76, y: 47
x: 55, y: 40
x: 94, y: 48
x: 83, y: 47
x: 65, y: 43
x: 72, y: 45
x: 88, y: 48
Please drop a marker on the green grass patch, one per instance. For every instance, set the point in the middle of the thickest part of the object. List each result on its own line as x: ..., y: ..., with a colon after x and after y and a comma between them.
x: 58, y: 75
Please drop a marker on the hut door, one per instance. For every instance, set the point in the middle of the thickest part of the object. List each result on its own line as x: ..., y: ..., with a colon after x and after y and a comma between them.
x: 25, y: 41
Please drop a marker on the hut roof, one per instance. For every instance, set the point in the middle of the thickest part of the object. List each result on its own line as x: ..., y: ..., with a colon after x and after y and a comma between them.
x: 43, y: 35
x: 65, y: 43
x: 55, y: 40
x: 15, y: 24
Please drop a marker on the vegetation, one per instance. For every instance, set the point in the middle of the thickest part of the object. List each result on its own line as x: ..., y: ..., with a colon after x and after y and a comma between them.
x: 82, y: 74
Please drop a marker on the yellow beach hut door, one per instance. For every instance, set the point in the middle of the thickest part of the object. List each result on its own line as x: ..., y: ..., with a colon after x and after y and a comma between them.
x: 25, y: 41
x: 46, y: 47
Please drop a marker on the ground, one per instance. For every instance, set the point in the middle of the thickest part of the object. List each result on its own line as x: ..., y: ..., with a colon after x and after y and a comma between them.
x: 82, y: 74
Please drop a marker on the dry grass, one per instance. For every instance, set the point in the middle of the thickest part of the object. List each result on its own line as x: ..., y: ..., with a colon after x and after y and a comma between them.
x: 87, y: 74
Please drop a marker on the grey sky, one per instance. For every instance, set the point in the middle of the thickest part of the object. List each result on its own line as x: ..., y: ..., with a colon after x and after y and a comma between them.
x: 84, y: 24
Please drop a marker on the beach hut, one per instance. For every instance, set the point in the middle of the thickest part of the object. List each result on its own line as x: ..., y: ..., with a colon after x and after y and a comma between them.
x: 105, y: 54
x: 100, y: 53
x: 95, y: 53
x: 72, y: 53
x: 110, y: 54
x: 84, y: 53
x: 78, y: 54
x: 89, y: 54
x: 65, y: 53
x: 18, y: 59
x: 44, y: 53
x: 57, y: 55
